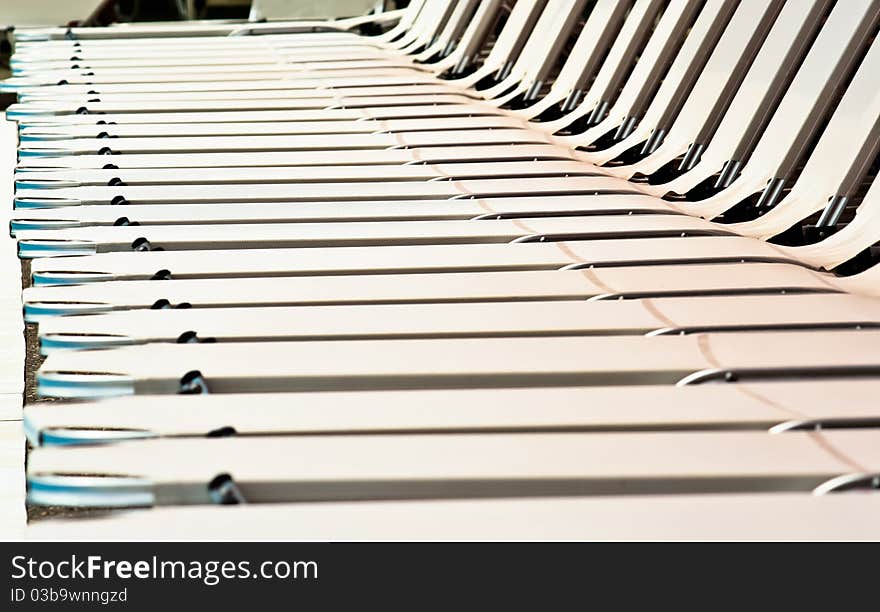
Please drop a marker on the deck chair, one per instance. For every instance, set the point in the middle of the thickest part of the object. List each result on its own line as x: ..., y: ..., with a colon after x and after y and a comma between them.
x: 299, y: 61
x: 600, y: 26
x: 369, y: 157
x: 763, y: 85
x: 554, y: 23
x: 464, y: 362
x: 472, y: 35
x: 568, y: 10
x: 421, y: 259
x: 777, y: 407
x: 575, y: 284
x: 481, y: 320
x: 401, y: 210
x: 681, y: 21
x: 64, y: 36
x: 353, y: 468
x: 418, y: 317
x: 524, y: 5
x: 532, y: 38
x: 108, y: 238
x: 22, y: 200
x: 590, y: 94
x: 799, y: 114
x: 236, y: 175
x: 859, y: 234
x: 529, y: 65
x: 719, y: 79
x: 369, y: 125
x: 584, y: 32
x: 678, y: 517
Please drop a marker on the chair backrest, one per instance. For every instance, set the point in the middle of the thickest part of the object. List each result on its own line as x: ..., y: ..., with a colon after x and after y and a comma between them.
x: 471, y: 40
x: 542, y: 46
x: 459, y: 18
x: 861, y: 233
x: 509, y: 43
x: 763, y: 86
x: 677, y: 83
x: 834, y: 169
x: 586, y: 55
x: 426, y: 24
x: 716, y: 85
x: 652, y: 64
x: 800, y: 113
x: 615, y: 67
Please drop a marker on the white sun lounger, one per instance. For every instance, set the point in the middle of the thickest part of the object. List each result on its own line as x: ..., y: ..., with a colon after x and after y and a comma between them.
x: 107, y: 238
x: 308, y: 212
x: 579, y: 284
x: 775, y: 406
x: 323, y: 468
x: 668, y: 316
x: 405, y: 259
x: 464, y: 363
x: 730, y: 517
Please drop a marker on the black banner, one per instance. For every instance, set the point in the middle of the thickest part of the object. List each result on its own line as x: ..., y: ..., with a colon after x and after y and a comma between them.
x: 266, y: 576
